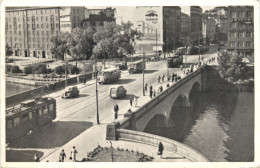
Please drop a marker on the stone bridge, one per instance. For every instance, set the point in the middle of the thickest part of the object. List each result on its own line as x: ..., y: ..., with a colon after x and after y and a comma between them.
x: 179, y: 96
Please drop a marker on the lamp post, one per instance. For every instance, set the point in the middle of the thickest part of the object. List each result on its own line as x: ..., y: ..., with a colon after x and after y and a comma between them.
x: 143, y: 73
x: 65, y: 70
x: 96, y: 92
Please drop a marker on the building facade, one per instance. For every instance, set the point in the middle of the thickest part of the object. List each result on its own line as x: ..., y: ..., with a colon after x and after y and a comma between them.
x: 185, y: 28
x: 97, y: 18
x: 196, y: 25
x: 171, y: 27
x: 29, y: 30
x: 241, y: 29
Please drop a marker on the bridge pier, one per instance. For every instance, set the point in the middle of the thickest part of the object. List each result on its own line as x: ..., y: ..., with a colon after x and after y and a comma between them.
x: 204, y: 79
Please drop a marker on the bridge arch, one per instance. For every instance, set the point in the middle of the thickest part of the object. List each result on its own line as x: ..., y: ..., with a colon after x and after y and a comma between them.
x: 156, y: 123
x: 180, y: 103
x: 194, y: 93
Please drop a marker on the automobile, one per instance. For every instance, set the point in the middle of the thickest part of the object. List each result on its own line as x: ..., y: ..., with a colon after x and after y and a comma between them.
x: 117, y: 91
x: 70, y: 91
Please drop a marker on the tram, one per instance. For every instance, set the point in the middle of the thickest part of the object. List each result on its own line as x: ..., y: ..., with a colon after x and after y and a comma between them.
x: 29, y: 116
x: 175, y: 60
x: 109, y: 75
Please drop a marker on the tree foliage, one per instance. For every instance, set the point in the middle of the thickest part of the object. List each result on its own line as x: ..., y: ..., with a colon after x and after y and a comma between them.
x: 61, y: 45
x: 8, y: 50
x: 81, y: 43
x: 218, y: 35
x: 231, y: 66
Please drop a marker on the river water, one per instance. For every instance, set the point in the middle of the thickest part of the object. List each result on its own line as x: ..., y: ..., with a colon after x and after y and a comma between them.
x: 220, y: 125
x: 16, y: 88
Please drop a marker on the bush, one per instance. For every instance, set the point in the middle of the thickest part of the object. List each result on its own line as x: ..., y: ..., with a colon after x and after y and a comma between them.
x: 28, y: 69
x: 8, y: 68
x: 59, y: 70
x: 12, y: 69
x: 38, y: 69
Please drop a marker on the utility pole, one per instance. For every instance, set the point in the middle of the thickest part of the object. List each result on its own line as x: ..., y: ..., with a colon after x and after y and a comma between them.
x: 97, y: 92
x: 199, y: 46
x: 65, y: 70
x: 143, y: 74
x: 156, y: 45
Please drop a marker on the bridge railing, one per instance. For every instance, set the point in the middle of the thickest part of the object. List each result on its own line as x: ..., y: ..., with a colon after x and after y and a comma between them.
x: 169, y: 144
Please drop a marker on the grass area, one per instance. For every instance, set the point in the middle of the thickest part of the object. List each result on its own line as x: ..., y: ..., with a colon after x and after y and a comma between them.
x: 104, y: 154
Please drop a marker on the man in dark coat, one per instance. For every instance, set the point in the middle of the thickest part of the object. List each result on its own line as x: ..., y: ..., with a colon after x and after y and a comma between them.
x: 116, y: 108
x: 160, y: 149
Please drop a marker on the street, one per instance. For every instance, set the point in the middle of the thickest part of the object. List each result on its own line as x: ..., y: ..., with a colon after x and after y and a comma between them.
x: 78, y: 114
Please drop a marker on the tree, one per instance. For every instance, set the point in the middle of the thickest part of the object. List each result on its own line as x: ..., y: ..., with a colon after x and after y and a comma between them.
x: 82, y: 43
x: 218, y: 35
x: 8, y: 50
x: 231, y: 66
x: 61, y: 45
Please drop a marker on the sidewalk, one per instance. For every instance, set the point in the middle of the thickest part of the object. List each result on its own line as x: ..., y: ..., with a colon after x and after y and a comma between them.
x: 96, y: 135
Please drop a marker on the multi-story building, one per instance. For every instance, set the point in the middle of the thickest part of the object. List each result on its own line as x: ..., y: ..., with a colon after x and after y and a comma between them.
x: 29, y: 30
x: 195, y: 14
x: 97, y: 18
x: 185, y: 28
x: 208, y: 27
x: 171, y: 27
x: 241, y: 29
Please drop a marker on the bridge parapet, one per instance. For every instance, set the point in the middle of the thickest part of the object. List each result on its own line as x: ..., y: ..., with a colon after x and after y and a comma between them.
x: 170, y: 145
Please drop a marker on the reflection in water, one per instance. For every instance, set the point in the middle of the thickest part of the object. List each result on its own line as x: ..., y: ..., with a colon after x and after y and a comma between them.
x: 220, y: 125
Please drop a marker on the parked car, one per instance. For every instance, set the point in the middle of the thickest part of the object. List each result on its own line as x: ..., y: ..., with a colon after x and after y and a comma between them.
x: 117, y: 91
x: 70, y: 91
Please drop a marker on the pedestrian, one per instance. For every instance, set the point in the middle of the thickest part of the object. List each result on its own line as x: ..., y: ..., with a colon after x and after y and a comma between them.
x: 181, y: 67
x: 36, y: 158
x: 160, y: 149
x: 168, y: 85
x: 162, y: 77
x: 159, y: 78
x: 116, y: 108
x: 161, y: 88
x: 151, y: 93
x: 151, y: 88
x: 173, y: 77
x: 146, y: 86
x: 85, y: 79
x: 62, y: 156
x: 154, y: 93
x: 131, y: 101
x: 135, y: 101
x: 73, y: 154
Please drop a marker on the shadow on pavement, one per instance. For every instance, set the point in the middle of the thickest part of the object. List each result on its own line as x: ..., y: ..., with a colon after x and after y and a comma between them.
x: 127, y: 97
x: 22, y: 155
x: 54, y: 135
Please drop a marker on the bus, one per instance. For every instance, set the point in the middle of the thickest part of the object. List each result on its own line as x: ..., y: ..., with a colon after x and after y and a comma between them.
x: 137, y: 66
x: 175, y: 60
x: 29, y: 116
x: 109, y: 75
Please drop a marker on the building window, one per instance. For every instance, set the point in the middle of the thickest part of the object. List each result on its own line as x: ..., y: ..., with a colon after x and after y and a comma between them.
x: 33, y: 23
x: 20, y: 33
x: 57, y: 32
x: 14, y: 32
x: 240, y: 44
x: 33, y: 39
x: 47, y: 46
x: 57, y: 18
x: 232, y: 44
x: 46, y: 18
x: 47, y: 26
x: 42, y: 18
x: 241, y: 14
x: 33, y: 32
x: 240, y: 34
x: 38, y: 33
x: 42, y: 33
x: 37, y: 18
x: 25, y: 117
x: 248, y: 43
x: 233, y: 25
x: 56, y: 10
x: 249, y: 14
x: 6, y: 24
x: 47, y: 33
x: 57, y: 25
x: 52, y: 32
x: 15, y: 23
x: 249, y: 34
x: 233, y: 14
x: 42, y: 26
x: 42, y: 39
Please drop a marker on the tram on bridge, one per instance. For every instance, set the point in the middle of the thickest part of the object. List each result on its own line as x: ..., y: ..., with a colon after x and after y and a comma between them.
x: 29, y: 116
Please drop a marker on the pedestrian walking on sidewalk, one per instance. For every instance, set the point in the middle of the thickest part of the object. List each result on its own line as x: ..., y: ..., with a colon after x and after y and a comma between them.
x: 131, y: 101
x: 36, y: 158
x: 163, y: 77
x: 62, y: 156
x: 168, y: 85
x: 135, y: 101
x: 159, y: 78
x: 146, y: 86
x: 151, y: 88
x: 116, y: 108
x: 151, y: 93
x: 160, y: 149
x: 73, y: 154
x: 78, y: 79
x: 181, y: 67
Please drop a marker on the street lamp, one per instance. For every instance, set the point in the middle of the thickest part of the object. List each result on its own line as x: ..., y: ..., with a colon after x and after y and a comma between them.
x: 143, y: 73
x: 97, y: 92
x: 65, y: 70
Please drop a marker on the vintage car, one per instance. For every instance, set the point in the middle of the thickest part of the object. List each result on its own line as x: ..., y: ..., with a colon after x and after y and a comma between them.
x: 117, y: 91
x: 70, y: 91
